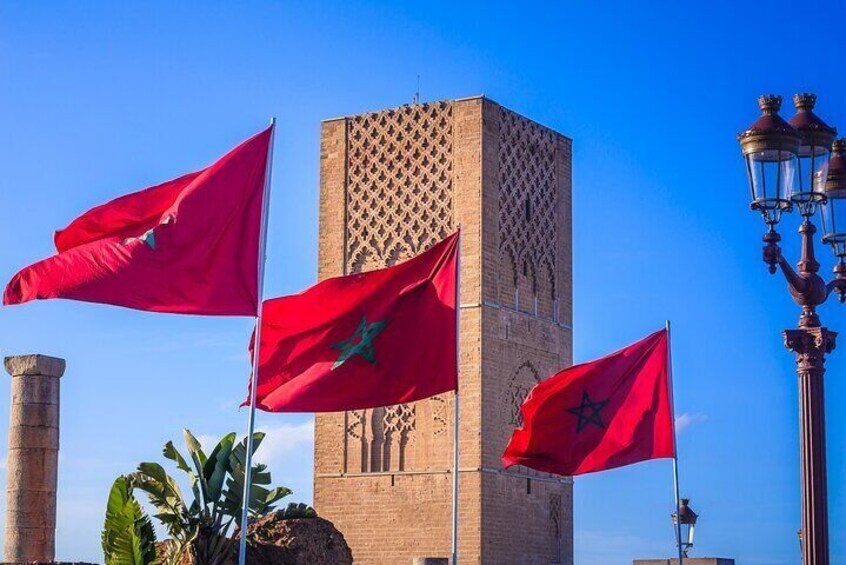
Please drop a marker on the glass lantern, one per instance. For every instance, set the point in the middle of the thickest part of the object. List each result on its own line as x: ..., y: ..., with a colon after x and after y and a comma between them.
x: 688, y: 525
x: 834, y: 208
x: 771, y: 149
x: 814, y: 150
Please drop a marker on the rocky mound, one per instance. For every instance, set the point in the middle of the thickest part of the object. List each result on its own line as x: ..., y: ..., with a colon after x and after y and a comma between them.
x: 276, y: 540
x: 308, y: 541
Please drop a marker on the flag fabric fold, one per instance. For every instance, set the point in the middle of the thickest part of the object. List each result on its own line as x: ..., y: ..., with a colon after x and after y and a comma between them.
x: 607, y: 413
x: 361, y: 341
x: 187, y: 246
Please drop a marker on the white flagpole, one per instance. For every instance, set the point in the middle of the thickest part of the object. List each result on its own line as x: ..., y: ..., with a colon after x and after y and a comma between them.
x: 455, y: 403
x: 675, y: 445
x: 248, y: 472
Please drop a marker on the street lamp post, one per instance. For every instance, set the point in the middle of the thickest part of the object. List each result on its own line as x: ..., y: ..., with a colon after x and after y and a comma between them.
x: 797, y: 164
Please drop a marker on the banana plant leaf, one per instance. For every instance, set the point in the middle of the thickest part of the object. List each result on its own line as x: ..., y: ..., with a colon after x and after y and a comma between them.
x: 128, y: 537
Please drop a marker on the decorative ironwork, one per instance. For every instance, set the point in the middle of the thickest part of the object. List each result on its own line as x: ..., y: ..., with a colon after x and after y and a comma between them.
x: 774, y: 150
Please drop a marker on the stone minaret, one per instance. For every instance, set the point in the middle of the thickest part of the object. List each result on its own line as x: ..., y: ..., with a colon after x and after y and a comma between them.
x: 392, y: 183
x: 32, y: 465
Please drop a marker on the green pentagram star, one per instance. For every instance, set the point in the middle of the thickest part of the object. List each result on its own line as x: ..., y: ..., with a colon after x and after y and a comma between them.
x: 361, y: 342
x: 588, y: 412
x: 149, y: 238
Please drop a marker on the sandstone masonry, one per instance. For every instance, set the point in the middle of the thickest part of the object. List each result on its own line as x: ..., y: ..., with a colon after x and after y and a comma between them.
x: 33, y: 458
x: 392, y: 183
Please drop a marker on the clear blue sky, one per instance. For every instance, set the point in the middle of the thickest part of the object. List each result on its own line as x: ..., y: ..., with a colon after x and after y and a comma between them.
x: 98, y: 99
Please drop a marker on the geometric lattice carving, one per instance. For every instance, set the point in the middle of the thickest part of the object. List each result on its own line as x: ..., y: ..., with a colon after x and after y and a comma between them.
x: 399, y: 419
x: 381, y: 435
x: 555, y: 528
x: 399, y: 202
x: 439, y: 415
x: 523, y: 380
x: 399, y: 186
x: 357, y: 436
x: 398, y: 423
x: 356, y: 422
x: 528, y: 202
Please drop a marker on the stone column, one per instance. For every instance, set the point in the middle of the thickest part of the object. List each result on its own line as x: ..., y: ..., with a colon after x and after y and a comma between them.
x: 32, y: 465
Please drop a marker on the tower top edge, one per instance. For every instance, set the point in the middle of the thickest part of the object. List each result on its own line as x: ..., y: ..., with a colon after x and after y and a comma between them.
x: 481, y: 97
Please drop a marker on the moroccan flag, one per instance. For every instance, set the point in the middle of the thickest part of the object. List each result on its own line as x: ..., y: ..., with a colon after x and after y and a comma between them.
x: 362, y: 341
x: 599, y: 415
x: 188, y: 246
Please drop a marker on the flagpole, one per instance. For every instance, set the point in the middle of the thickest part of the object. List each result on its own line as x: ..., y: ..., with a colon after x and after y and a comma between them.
x: 262, y: 256
x: 675, y: 445
x: 455, y: 402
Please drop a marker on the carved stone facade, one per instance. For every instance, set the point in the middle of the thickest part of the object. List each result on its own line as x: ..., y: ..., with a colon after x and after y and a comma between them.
x: 528, y: 199
x: 398, y: 204
x: 399, y: 191
x: 393, y: 183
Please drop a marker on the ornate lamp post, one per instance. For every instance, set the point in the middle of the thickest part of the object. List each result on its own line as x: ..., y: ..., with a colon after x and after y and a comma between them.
x: 789, y: 167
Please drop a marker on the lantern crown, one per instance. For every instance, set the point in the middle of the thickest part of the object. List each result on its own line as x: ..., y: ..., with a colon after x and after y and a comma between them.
x: 770, y: 132
x: 814, y: 131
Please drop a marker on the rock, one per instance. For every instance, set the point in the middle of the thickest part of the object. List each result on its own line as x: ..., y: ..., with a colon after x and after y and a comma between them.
x: 308, y: 541
x: 279, y: 541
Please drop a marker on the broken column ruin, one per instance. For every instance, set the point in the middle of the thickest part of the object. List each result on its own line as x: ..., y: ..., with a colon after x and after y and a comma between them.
x: 32, y: 465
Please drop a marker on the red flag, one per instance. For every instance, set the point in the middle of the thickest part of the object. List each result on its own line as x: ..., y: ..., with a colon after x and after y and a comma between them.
x: 188, y: 246
x: 362, y: 341
x: 599, y: 415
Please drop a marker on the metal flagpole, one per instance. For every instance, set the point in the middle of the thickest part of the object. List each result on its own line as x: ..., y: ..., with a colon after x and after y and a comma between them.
x: 455, y: 403
x: 678, y: 507
x: 248, y: 472
x: 675, y: 445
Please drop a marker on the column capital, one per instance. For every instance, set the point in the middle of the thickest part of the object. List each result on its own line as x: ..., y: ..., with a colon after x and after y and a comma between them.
x: 33, y: 365
x: 807, y: 340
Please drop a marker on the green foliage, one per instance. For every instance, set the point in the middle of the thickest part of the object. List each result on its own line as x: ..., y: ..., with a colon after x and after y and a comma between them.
x: 128, y: 537
x: 208, y: 527
x: 262, y: 499
x: 296, y: 510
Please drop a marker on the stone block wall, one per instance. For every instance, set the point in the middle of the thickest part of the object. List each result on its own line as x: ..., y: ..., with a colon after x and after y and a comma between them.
x: 392, y: 184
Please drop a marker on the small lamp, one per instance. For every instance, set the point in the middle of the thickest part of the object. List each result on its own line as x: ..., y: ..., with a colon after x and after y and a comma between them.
x: 688, y: 524
x: 814, y: 151
x: 771, y: 149
x: 834, y: 214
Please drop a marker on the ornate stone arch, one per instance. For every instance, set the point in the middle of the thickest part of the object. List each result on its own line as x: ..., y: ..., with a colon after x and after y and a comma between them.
x: 522, y: 380
x: 546, y: 291
x: 507, y: 276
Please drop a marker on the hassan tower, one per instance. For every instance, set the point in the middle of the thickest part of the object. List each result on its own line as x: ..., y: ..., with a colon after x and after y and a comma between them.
x: 392, y: 183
